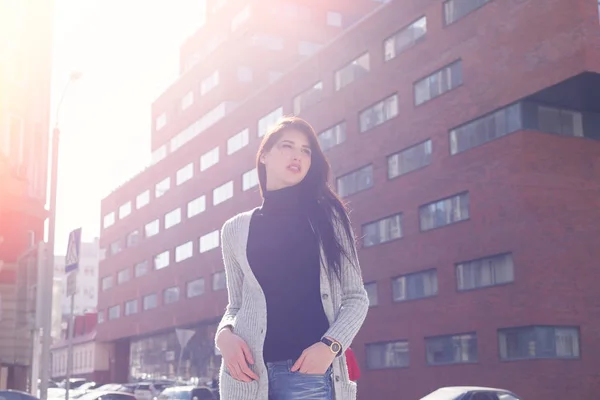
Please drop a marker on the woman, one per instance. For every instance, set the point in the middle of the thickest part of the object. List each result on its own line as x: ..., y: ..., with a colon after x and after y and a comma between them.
x: 296, y: 295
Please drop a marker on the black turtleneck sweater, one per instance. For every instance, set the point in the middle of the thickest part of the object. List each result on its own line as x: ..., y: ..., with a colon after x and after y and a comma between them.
x: 284, y: 255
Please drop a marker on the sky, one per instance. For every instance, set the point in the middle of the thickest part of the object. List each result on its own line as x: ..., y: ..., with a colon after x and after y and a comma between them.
x: 128, y: 54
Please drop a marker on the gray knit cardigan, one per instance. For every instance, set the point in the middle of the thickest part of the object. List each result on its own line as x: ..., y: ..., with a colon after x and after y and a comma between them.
x: 344, y: 300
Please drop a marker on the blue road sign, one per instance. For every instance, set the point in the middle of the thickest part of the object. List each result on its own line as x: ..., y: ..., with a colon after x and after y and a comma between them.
x: 72, y: 257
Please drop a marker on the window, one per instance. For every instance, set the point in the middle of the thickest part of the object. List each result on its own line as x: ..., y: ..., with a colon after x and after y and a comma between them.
x: 244, y: 74
x: 559, y: 121
x: 274, y: 75
x: 415, y: 286
x: 125, y: 210
x: 240, y: 18
x: 161, y: 121
x: 308, y: 98
x: 356, y: 181
x: 485, y: 272
x: 107, y: 283
x: 334, y: 19
x: 237, y: 141
x: 250, y: 179
x: 268, y: 42
x: 382, y: 231
x: 152, y: 228
x: 149, y: 301
x: 159, y: 154
x: 184, y: 174
x: 184, y: 251
x: 452, y: 349
x: 352, y: 71
x: 444, y: 212
x: 457, y: 9
x: 378, y: 113
x: 333, y: 136
x: 387, y: 355
x: 209, y: 83
x: 109, y: 219
x: 114, y: 312
x: 200, y: 125
x: 485, y: 129
x: 196, y: 206
x: 223, y: 193
x: 162, y: 187
x: 187, y: 100
x: 209, y: 159
x: 172, y: 218
x: 267, y: 122
x: 161, y: 260
x: 538, y: 342
x: 219, y: 281
x: 123, y: 276
x: 409, y: 159
x: 134, y: 238
x: 142, y: 199
x: 438, y: 83
x: 405, y: 39
x: 171, y: 295
x: 116, y: 247
x: 100, y: 317
x: 209, y: 241
x: 140, y: 269
x: 308, y: 48
x: 372, y: 293
x: 195, y: 288
x: 131, y: 307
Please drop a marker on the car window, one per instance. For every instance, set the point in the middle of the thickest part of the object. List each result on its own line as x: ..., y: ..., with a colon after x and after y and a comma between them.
x: 507, y: 396
x: 484, y: 396
x: 203, y: 394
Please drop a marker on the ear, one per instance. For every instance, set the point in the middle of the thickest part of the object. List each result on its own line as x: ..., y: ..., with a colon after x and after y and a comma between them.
x: 262, y: 158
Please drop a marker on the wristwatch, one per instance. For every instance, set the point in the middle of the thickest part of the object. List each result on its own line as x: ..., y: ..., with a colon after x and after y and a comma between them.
x: 335, y: 347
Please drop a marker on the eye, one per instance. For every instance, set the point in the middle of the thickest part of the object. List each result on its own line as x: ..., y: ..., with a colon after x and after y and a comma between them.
x: 307, y: 151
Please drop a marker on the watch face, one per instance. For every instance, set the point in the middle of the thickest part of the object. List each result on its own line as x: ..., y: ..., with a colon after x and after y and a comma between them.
x: 336, y: 347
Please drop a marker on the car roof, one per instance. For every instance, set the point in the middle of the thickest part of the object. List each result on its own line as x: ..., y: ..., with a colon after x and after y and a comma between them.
x: 472, y: 388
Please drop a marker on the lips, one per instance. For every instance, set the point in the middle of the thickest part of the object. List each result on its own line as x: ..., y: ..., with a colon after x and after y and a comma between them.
x: 295, y: 168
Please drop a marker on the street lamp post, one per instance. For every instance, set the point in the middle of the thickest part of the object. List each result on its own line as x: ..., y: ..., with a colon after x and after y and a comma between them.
x: 49, y: 270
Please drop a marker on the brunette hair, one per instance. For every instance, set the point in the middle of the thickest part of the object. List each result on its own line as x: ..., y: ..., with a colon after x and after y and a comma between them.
x: 326, y: 210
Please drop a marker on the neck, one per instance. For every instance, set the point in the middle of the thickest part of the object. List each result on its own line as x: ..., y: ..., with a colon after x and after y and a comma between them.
x: 287, y: 199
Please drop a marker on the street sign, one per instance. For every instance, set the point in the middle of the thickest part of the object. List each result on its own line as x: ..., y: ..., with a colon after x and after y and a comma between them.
x: 72, y: 257
x: 72, y: 283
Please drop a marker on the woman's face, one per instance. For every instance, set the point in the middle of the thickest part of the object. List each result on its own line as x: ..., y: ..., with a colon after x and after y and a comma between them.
x: 288, y: 161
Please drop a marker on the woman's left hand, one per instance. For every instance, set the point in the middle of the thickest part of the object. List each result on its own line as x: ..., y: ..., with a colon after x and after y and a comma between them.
x: 314, y: 360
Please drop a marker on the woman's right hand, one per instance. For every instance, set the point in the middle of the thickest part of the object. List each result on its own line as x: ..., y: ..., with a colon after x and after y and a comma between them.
x: 236, y: 355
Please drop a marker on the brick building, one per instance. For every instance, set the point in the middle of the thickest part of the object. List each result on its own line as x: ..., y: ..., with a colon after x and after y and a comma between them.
x: 464, y: 137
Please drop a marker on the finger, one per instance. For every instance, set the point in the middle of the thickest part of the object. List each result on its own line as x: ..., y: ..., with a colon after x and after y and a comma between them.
x: 247, y: 353
x: 298, y: 362
x: 238, y: 374
x: 246, y: 370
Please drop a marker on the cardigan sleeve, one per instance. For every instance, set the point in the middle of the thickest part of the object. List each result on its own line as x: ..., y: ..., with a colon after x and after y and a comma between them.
x: 354, y: 298
x: 233, y: 275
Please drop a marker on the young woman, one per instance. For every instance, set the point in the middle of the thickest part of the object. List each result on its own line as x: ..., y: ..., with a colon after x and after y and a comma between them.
x: 296, y: 295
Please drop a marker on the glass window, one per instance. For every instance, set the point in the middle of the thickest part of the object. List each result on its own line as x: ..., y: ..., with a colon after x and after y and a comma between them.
x: 382, y: 231
x: 184, y: 174
x: 149, y: 301
x: 114, y: 312
x: 405, y: 38
x: 209, y: 83
x: 196, y: 206
x: 134, y: 238
x: 219, y: 281
x: 409, y: 159
x: 539, y: 342
x: 240, y: 18
x: 457, y: 9
x: 116, y: 247
x: 209, y: 159
x: 123, y: 276
x: 159, y: 154
x: 267, y: 122
x: 356, y: 181
x: 200, y: 125
x: 238, y: 141
x: 250, y: 179
x: 172, y: 218
x: 350, y: 72
x: 387, y: 355
x: 187, y: 100
x: 307, y: 49
x: 161, y: 121
x: 107, y: 283
x: 560, y: 121
x: 333, y: 136
x: 268, y: 42
x: 161, y: 260
x: 244, y: 74
x: 372, y: 292
x: 142, y: 199
x: 125, y: 210
x: 152, y: 228
x: 308, y: 98
x: 162, y: 187
x: 223, y: 193
x: 184, y: 251
x: 452, y: 349
x: 438, y: 83
x: 334, y: 19
x: 209, y: 241
x: 415, y: 286
x: 379, y: 113
x: 195, y: 288
x: 171, y: 295
x: 140, y: 269
x: 485, y: 272
x: 109, y: 219
x: 131, y: 307
x: 444, y: 212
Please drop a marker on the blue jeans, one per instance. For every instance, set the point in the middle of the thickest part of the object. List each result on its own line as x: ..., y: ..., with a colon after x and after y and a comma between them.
x: 287, y: 385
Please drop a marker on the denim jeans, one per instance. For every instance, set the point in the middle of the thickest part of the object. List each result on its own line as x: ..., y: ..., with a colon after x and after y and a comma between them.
x: 287, y: 385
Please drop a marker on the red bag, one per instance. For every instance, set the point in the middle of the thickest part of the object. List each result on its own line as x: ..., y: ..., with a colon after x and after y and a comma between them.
x: 353, y: 369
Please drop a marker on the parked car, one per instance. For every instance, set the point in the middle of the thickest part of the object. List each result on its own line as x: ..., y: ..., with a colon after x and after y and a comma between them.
x: 150, y: 390
x: 106, y: 395
x: 471, y: 393
x: 187, y: 393
x: 15, y: 395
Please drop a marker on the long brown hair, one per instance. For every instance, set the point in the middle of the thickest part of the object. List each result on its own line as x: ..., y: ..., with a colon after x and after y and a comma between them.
x: 326, y: 210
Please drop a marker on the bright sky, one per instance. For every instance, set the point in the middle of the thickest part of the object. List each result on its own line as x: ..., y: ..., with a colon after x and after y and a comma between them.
x: 128, y: 52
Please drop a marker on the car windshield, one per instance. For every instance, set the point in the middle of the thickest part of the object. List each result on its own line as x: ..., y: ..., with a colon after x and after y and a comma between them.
x: 176, y: 394
x: 444, y: 394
